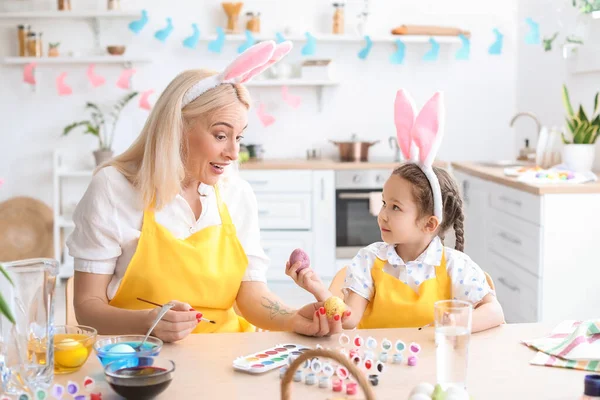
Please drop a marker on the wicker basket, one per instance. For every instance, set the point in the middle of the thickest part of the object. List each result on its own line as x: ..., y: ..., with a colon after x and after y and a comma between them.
x: 333, y: 355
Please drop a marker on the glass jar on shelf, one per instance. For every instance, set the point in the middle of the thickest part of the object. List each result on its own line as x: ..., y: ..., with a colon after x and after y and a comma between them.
x: 253, y: 22
x: 338, y: 18
x: 33, y: 48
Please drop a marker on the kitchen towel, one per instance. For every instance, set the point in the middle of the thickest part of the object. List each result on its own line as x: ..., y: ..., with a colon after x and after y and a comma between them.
x: 572, y: 344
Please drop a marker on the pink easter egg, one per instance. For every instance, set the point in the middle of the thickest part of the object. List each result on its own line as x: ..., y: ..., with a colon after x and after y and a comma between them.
x: 300, y: 255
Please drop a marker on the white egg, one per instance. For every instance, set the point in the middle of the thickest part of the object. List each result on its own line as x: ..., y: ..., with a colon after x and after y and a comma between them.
x: 456, y: 393
x: 424, y: 388
x: 419, y: 396
x: 122, y: 348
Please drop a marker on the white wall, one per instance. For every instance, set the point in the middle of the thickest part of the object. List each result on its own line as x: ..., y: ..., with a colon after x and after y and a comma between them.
x: 480, y: 93
x: 541, y: 74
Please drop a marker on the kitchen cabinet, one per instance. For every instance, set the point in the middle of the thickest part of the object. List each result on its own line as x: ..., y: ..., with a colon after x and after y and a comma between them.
x: 540, y: 250
x: 296, y: 209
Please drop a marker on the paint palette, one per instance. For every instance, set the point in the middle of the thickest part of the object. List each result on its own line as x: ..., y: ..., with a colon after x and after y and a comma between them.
x: 269, y: 359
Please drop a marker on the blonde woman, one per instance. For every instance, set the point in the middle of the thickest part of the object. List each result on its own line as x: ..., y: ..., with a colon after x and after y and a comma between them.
x: 162, y: 222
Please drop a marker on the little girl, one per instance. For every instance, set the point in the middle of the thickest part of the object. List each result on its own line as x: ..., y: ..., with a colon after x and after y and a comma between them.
x: 395, y: 283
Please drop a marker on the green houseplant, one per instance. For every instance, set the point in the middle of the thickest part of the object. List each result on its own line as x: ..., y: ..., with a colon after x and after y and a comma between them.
x: 102, y: 124
x: 579, y: 149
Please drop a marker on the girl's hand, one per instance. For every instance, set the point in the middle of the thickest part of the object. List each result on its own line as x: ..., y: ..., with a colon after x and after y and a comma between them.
x: 307, y: 279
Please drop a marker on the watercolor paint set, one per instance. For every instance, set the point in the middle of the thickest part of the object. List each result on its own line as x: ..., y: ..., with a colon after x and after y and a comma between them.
x: 270, y: 359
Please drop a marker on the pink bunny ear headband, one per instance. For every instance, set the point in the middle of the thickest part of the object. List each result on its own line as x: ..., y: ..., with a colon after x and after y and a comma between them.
x: 247, y: 65
x: 419, y: 137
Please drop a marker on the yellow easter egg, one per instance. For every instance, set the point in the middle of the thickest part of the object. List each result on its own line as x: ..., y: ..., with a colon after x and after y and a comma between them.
x: 70, y: 353
x: 334, y: 305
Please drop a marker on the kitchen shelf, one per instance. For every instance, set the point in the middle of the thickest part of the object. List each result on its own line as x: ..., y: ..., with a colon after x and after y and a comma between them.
x: 290, y: 82
x: 107, y: 59
x: 317, y: 84
x: 343, y: 38
x: 83, y: 14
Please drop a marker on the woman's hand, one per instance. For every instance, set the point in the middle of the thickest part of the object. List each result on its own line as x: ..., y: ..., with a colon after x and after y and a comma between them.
x: 308, y: 280
x: 177, y: 323
x: 311, y: 320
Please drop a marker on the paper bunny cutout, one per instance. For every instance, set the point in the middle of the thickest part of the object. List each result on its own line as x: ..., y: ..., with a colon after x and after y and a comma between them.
x: 419, y: 137
x: 247, y: 65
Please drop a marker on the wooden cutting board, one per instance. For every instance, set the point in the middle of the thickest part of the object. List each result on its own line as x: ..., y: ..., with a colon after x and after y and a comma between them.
x: 427, y: 30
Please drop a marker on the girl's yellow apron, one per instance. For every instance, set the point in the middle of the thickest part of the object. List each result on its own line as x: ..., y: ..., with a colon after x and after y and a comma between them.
x: 396, y: 305
x: 204, y: 270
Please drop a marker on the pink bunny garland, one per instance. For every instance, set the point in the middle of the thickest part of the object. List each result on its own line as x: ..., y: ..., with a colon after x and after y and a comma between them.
x: 247, y: 65
x: 419, y: 137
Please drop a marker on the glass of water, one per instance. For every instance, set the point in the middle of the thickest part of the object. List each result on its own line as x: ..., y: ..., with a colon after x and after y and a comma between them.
x: 452, y: 336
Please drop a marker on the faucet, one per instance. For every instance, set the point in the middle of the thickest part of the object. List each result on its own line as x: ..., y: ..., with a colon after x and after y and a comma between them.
x: 524, y: 152
x: 527, y: 114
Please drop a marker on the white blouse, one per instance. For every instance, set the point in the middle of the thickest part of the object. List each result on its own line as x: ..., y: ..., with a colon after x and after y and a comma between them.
x: 108, y: 222
x: 468, y: 279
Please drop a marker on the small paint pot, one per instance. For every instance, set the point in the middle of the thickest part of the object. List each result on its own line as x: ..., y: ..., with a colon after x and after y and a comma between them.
x: 356, y: 360
x: 342, y: 372
x: 374, y: 380
x: 316, y: 366
x: 344, y: 339
x: 310, y: 379
x: 412, y: 361
x: 400, y: 346
x: 282, y: 372
x: 397, y: 358
x: 380, y: 367
x: 369, y: 355
x: 386, y: 345
x: 351, y: 388
x: 324, y: 382
x: 383, y: 357
x: 298, y: 376
x: 358, y: 341
x: 337, y: 385
x: 328, y: 370
x: 371, y: 343
x: 414, y: 348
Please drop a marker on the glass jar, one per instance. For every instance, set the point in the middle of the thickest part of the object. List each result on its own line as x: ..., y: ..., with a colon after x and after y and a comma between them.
x: 22, y: 31
x: 33, y: 49
x: 253, y: 22
x: 64, y: 5
x: 338, y: 18
x: 114, y: 4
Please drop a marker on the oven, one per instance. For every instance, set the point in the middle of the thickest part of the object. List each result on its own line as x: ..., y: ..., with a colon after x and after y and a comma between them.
x: 357, y: 200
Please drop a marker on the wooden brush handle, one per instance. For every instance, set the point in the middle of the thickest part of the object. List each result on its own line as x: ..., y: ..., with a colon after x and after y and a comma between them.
x: 333, y: 355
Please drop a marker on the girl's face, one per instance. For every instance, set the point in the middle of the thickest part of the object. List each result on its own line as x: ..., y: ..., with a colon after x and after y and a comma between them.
x: 213, y: 143
x: 399, y: 216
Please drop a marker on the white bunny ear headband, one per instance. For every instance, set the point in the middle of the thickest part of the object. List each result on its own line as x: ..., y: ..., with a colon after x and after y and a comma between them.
x: 419, y: 137
x: 247, y: 65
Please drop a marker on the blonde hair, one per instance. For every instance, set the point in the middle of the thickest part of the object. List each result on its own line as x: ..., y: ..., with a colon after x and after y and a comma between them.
x: 154, y: 163
x: 423, y: 195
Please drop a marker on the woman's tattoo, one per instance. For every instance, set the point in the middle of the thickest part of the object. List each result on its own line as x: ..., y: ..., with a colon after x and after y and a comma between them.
x: 274, y: 308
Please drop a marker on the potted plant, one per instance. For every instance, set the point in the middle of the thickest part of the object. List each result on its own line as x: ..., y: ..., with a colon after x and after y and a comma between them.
x: 98, y: 125
x: 579, y: 149
x: 53, y: 49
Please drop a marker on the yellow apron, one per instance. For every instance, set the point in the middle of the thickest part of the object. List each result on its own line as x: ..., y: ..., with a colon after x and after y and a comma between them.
x: 204, y: 270
x: 397, y: 305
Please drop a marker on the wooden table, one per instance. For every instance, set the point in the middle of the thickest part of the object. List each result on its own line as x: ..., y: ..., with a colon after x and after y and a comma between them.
x: 498, y: 367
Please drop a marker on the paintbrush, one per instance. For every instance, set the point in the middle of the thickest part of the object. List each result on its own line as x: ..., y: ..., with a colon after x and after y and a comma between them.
x: 160, y: 305
x: 425, y: 326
